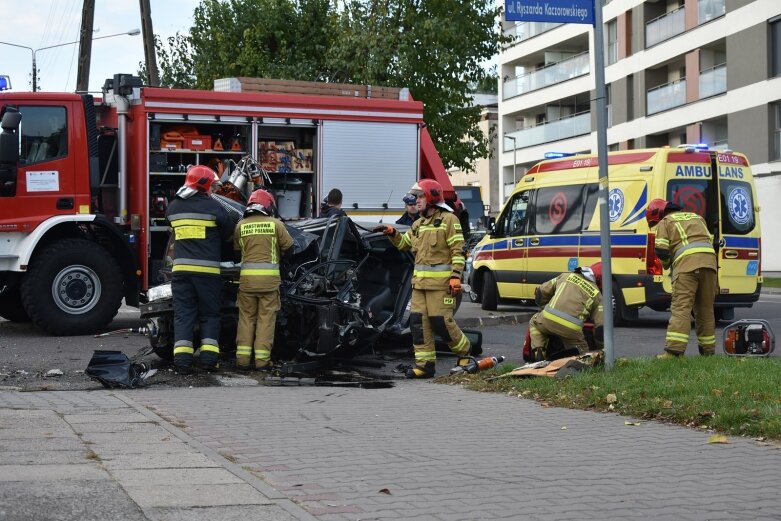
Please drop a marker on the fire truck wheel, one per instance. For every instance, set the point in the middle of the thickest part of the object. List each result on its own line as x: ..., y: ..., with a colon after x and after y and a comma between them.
x: 73, y: 287
x: 11, y: 306
x: 490, y: 292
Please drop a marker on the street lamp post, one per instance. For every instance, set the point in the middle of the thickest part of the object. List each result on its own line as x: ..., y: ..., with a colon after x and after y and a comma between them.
x: 132, y: 32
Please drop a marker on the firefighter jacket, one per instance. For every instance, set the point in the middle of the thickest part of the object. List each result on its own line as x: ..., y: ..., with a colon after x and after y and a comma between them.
x: 261, y: 240
x: 200, y: 227
x: 437, y: 243
x: 570, y: 299
x: 684, y: 244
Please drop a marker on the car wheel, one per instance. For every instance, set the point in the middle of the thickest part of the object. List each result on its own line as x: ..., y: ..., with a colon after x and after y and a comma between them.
x: 490, y: 292
x: 724, y: 314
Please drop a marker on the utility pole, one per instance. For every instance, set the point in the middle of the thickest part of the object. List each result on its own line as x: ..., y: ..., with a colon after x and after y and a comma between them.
x: 149, y: 43
x: 85, y: 45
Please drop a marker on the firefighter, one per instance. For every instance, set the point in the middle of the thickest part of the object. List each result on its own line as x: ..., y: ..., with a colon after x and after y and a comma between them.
x: 411, y: 213
x: 262, y: 239
x: 567, y: 301
x: 437, y: 242
x: 200, y: 225
x: 684, y: 244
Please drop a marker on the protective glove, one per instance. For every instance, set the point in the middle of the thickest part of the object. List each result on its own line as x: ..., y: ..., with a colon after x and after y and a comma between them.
x: 386, y: 229
x: 455, y: 286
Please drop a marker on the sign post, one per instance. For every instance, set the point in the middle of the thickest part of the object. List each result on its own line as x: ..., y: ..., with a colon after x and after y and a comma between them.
x: 584, y: 12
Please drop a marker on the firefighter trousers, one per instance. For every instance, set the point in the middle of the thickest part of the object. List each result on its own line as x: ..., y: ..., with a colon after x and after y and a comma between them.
x: 257, y: 319
x: 431, y: 313
x: 692, y: 291
x: 540, y: 328
x: 196, y: 300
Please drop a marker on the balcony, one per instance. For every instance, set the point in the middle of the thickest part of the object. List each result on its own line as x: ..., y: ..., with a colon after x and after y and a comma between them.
x: 666, y: 96
x: 708, y: 10
x: 665, y: 27
x: 713, y: 81
x: 551, y: 74
x: 525, y: 30
x: 564, y: 128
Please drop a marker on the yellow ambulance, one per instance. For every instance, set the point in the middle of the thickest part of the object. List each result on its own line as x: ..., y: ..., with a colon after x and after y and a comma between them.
x: 550, y: 224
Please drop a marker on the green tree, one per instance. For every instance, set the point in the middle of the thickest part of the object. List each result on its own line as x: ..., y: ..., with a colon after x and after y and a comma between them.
x: 174, y: 61
x: 434, y: 47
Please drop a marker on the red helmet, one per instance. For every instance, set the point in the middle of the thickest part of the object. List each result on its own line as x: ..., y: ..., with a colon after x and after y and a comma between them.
x: 200, y: 178
x: 655, y: 212
x: 433, y: 192
x: 261, y: 201
x: 596, y: 269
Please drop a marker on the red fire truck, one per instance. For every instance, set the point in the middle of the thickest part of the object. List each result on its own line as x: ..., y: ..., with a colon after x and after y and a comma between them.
x: 84, y: 182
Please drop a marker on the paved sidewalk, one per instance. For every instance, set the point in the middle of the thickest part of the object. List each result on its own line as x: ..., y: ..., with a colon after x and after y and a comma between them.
x: 416, y: 451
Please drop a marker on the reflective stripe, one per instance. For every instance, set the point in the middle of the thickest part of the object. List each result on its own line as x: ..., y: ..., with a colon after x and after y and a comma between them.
x: 243, y: 350
x: 194, y: 216
x: 436, y: 267
x: 210, y: 348
x: 425, y: 356
x: 183, y: 350
x: 677, y: 337
x: 255, y: 273
x: 183, y: 343
x: 406, y: 240
x: 454, y: 239
x: 458, y: 259
x: 460, y: 347
x: 706, y: 340
x: 196, y: 269
x: 197, y: 262
x: 262, y: 354
x: 694, y: 247
x: 662, y: 242
x: 193, y: 222
x: 260, y: 268
x: 562, y: 318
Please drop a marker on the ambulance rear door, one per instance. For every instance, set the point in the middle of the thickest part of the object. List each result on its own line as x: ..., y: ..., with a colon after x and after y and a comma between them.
x: 738, y: 239
x: 508, y: 249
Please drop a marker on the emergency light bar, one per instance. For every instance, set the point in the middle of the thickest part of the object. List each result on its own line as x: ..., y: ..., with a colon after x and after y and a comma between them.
x: 5, y: 83
x: 557, y: 155
x: 693, y: 147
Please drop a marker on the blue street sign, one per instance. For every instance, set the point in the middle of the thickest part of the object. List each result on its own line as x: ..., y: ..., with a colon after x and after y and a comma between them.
x: 556, y: 11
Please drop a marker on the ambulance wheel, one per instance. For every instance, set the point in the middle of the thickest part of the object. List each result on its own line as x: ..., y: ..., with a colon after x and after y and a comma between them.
x: 11, y: 306
x: 724, y: 314
x: 490, y: 292
x: 73, y: 287
x: 623, y: 315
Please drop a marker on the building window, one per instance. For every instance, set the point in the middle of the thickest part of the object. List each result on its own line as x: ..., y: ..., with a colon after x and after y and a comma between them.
x: 611, y: 46
x: 776, y: 131
x: 775, y: 52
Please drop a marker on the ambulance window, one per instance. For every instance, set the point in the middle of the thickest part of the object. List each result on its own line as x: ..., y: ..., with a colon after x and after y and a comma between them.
x: 737, y: 207
x: 592, y: 196
x: 513, y: 222
x: 44, y: 132
x: 692, y: 195
x: 558, y: 210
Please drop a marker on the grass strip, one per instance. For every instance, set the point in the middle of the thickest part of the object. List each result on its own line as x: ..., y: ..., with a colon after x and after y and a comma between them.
x: 771, y: 282
x: 736, y: 396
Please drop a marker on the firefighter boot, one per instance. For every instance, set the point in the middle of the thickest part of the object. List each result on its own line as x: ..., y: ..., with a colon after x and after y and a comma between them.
x: 424, y: 370
x: 262, y: 365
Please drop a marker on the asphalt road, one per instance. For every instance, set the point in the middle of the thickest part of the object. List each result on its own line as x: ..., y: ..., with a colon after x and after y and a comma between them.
x: 26, y: 355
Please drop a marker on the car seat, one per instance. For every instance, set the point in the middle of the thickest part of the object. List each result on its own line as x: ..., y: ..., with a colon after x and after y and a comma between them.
x: 374, y: 287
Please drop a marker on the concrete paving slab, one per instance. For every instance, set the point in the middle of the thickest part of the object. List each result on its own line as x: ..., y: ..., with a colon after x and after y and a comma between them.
x: 159, y: 461
x: 226, y: 513
x: 39, y: 444
x: 192, y: 476
x: 67, y: 501
x: 143, y: 428
x: 128, y: 416
x: 46, y: 432
x: 51, y: 457
x: 151, y: 448
x: 186, y: 495
x: 84, y: 472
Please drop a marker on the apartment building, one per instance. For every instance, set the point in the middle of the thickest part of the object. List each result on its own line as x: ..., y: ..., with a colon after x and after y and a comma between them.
x: 677, y: 71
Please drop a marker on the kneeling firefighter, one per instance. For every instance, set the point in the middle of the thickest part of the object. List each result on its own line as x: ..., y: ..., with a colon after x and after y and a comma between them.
x: 437, y: 242
x: 261, y: 238
x: 567, y: 301
x: 200, y: 225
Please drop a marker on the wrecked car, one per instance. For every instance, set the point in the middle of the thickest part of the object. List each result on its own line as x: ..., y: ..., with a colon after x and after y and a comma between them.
x: 345, y: 291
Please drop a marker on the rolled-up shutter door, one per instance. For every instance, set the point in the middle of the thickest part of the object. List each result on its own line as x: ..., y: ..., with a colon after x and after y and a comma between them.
x: 371, y: 163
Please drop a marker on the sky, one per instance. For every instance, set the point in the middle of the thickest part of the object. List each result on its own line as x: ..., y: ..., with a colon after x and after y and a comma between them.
x: 41, y: 23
